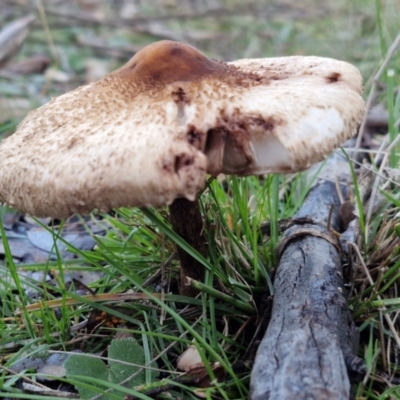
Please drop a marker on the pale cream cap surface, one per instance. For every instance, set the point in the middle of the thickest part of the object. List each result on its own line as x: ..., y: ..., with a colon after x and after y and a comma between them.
x: 149, y: 132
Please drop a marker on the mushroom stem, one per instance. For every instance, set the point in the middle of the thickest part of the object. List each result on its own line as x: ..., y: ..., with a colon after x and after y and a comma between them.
x: 187, y: 222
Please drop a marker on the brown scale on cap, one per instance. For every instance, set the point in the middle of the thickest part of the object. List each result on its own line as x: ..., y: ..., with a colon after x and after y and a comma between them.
x: 164, y: 63
x: 168, y: 62
x: 333, y: 77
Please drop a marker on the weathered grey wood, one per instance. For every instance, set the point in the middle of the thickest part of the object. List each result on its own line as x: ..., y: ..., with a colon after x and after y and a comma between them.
x: 311, y: 340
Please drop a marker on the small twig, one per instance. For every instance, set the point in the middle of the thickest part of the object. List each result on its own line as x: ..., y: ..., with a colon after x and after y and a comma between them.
x: 157, y: 274
x: 34, y: 389
x: 371, y: 282
x: 382, y: 340
x: 370, y: 368
x: 328, y: 222
x: 10, y: 371
x: 375, y: 186
x: 238, y: 333
x: 189, y: 379
x: 42, y: 13
x: 266, y: 316
x: 382, y: 150
x: 371, y: 96
x: 338, y: 190
x: 367, y: 167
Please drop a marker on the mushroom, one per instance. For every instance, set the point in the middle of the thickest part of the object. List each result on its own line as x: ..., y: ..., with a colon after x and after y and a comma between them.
x: 148, y: 133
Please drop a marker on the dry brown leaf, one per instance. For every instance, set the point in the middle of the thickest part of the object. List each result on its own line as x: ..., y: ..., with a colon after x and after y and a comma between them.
x: 33, y: 65
x: 12, y: 36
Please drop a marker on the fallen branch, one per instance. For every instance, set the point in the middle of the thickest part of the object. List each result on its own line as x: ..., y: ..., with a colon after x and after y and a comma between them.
x: 310, y: 347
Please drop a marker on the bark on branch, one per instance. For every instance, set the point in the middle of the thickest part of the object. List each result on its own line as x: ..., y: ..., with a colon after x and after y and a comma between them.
x: 309, y: 349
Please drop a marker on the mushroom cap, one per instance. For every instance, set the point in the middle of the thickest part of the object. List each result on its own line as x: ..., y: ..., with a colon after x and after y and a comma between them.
x: 150, y: 131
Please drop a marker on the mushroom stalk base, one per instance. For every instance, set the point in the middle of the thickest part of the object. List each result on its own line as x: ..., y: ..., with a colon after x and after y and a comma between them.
x: 187, y: 222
